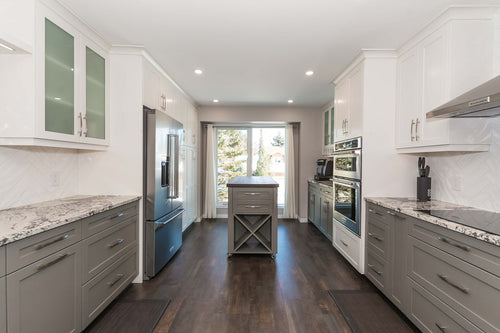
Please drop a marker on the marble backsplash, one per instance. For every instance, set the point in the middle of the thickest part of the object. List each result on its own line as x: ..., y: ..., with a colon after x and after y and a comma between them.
x: 34, y: 174
x: 471, y: 179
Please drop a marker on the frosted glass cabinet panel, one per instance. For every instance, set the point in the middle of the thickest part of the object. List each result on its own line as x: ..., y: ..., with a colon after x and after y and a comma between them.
x: 95, y: 94
x: 59, y: 79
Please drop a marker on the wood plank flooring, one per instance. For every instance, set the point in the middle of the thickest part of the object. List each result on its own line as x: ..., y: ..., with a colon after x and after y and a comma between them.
x: 213, y: 293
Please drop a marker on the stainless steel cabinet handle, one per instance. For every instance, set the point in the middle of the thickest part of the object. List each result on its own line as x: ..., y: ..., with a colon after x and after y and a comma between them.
x: 58, y: 239
x: 252, y: 193
x: 118, y: 242
x: 84, y: 133
x: 447, y: 241
x: 116, y: 216
x: 375, y: 236
x: 251, y: 206
x: 454, y: 285
x: 441, y: 328
x: 346, y: 126
x: 55, y: 261
x: 416, y: 130
x: 81, y: 124
x: 373, y: 269
x: 391, y: 213
x: 345, y: 244
x: 411, y: 130
x: 374, y: 211
x: 118, y: 278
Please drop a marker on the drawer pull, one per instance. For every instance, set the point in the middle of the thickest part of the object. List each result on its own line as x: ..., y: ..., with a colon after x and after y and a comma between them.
x: 251, y: 206
x: 374, y: 211
x: 252, y: 193
x: 116, y: 216
x: 445, y: 279
x: 391, y: 213
x: 447, y: 241
x: 118, y: 278
x: 345, y: 244
x: 373, y: 269
x: 441, y: 328
x: 118, y: 242
x: 55, y: 261
x: 375, y: 237
x: 58, y: 239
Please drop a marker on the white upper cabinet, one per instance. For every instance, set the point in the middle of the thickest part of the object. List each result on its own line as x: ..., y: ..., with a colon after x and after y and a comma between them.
x: 348, y: 118
x: 328, y: 130
x: 63, y: 85
x: 452, y: 55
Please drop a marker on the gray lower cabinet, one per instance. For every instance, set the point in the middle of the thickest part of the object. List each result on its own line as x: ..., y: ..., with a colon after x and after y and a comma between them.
x: 2, y: 261
x: 46, y: 296
x: 442, y: 280
x: 3, y: 307
x: 320, y: 208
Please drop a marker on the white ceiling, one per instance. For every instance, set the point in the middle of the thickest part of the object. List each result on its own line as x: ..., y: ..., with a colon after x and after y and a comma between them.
x: 257, y: 51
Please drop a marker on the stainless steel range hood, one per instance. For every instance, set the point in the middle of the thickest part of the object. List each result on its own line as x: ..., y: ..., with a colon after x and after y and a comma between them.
x: 480, y: 102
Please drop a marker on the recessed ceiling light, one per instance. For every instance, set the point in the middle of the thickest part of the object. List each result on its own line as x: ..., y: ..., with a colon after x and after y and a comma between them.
x: 216, y: 101
x: 309, y: 73
x: 198, y: 71
x: 290, y: 101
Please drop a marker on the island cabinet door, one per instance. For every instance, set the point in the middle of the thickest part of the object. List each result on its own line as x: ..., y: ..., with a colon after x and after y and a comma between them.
x: 46, y: 295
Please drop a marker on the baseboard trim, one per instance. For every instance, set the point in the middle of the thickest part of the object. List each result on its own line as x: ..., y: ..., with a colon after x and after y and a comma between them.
x: 303, y: 219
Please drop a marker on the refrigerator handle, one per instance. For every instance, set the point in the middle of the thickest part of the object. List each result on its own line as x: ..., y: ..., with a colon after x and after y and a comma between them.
x: 164, y: 173
x: 173, y: 158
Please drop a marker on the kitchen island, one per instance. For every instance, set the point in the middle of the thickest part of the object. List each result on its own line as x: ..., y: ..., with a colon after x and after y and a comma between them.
x: 252, y: 216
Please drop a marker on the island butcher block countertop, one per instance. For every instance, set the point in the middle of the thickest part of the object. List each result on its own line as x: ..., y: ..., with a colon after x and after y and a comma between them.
x: 24, y: 221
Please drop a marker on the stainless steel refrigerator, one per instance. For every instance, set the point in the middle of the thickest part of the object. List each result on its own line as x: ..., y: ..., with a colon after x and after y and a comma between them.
x: 162, y: 204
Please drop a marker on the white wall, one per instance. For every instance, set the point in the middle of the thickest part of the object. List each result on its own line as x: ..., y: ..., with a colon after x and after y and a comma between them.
x: 311, y: 134
x: 34, y: 174
x: 118, y: 170
x: 471, y: 179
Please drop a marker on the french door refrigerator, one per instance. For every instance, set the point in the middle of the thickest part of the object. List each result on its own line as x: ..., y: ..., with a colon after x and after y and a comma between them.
x: 162, y: 204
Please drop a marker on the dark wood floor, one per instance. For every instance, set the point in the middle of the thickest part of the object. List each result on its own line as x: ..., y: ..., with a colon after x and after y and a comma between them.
x: 213, y: 293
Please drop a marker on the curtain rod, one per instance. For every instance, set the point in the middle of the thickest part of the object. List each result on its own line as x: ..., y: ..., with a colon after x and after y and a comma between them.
x: 248, y: 124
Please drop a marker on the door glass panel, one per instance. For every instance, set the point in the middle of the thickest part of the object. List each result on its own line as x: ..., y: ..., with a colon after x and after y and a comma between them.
x: 326, y: 130
x: 332, y: 113
x: 232, y: 159
x: 268, y: 150
x: 345, y: 163
x: 345, y: 200
x: 59, y: 79
x: 95, y: 94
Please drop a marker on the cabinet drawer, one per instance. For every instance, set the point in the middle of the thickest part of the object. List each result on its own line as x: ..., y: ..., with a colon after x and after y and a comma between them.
x: 347, y: 244
x: 101, y: 290
x: 378, y: 235
x: 472, y: 292
x: 326, y: 191
x: 376, y: 211
x: 253, y: 208
x: 103, y: 248
x: 252, y: 195
x: 432, y: 315
x: 31, y: 249
x: 2, y: 261
x: 377, y: 270
x: 3, y: 307
x: 102, y: 221
x: 474, y: 251
x: 46, y: 295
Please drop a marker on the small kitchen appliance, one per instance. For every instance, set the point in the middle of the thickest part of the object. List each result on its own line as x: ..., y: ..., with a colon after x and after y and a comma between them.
x: 324, y: 169
x: 423, y: 181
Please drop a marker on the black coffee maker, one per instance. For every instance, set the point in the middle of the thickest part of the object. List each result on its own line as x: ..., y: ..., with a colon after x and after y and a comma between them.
x: 324, y: 169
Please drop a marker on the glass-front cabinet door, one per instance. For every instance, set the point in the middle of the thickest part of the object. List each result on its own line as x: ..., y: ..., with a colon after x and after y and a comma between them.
x: 95, y: 99
x: 332, y: 113
x: 59, y: 79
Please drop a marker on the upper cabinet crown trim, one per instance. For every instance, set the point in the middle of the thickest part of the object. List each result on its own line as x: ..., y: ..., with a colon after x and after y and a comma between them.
x: 362, y: 55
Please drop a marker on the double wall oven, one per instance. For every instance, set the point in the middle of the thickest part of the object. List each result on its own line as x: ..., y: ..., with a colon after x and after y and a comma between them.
x: 347, y: 184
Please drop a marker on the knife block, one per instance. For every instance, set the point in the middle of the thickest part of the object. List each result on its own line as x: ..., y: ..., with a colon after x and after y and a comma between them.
x: 423, y: 189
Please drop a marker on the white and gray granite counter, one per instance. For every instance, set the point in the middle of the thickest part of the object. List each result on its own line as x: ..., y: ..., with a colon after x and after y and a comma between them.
x: 409, y: 206
x: 21, y: 222
x: 328, y: 183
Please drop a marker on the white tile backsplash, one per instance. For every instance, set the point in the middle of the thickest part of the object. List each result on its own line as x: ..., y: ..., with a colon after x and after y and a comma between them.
x: 471, y: 179
x: 34, y: 174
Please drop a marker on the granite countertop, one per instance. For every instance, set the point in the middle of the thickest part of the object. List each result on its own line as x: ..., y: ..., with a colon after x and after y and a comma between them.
x: 21, y: 222
x: 253, y: 181
x: 407, y: 206
x: 328, y: 183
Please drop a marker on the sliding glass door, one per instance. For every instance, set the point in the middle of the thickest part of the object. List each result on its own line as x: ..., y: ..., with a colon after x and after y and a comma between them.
x: 252, y: 151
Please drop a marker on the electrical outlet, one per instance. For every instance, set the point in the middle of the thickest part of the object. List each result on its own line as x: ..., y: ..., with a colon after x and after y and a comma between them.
x: 54, y: 179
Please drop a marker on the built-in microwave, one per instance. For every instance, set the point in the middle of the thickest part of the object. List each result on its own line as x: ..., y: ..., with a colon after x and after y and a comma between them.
x: 347, y: 159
